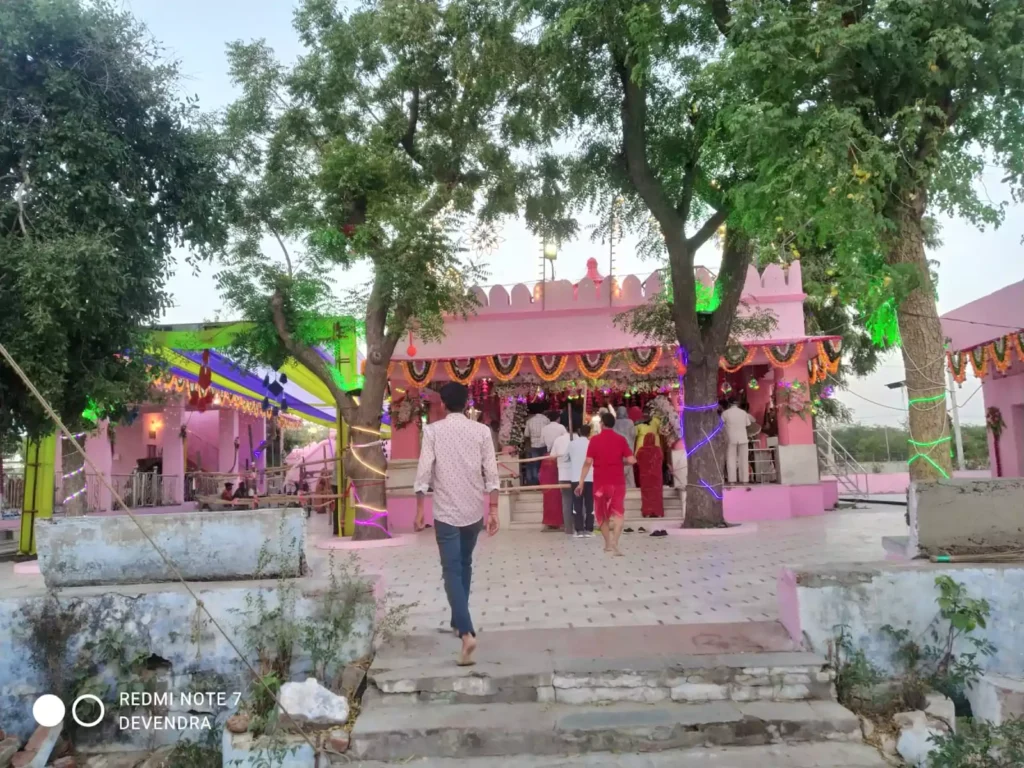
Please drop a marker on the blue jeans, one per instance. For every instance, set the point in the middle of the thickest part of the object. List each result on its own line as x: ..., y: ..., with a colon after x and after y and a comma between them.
x: 533, y: 468
x: 456, y: 546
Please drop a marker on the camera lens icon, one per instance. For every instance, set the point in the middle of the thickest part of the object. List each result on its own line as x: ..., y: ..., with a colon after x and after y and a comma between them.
x: 90, y: 698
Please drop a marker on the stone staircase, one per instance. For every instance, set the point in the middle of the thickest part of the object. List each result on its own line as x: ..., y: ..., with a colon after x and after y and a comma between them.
x: 527, y: 510
x: 418, y: 704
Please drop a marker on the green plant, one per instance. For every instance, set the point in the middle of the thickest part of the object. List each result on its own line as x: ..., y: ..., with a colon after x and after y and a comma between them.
x: 938, y: 664
x: 978, y: 744
x: 205, y: 753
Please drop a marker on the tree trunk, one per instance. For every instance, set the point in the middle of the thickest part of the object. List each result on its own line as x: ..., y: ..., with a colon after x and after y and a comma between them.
x: 705, y: 481
x: 922, y: 347
x: 367, y: 470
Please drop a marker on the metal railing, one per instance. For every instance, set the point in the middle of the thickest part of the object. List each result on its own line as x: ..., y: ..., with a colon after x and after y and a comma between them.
x: 12, y: 492
x: 835, y: 460
x: 764, y: 465
x: 143, y: 489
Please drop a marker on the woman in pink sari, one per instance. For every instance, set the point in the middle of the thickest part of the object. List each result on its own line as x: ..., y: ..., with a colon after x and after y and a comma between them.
x: 552, y: 497
x: 649, y: 460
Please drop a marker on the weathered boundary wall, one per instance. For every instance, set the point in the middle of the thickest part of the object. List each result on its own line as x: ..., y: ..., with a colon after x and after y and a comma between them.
x: 864, y: 597
x: 961, y: 516
x: 186, y: 651
x: 204, y: 546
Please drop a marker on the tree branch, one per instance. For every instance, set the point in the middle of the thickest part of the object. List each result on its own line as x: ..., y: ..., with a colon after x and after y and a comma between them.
x: 736, y: 257
x: 307, y: 356
x: 722, y: 16
x: 408, y: 140
x: 634, y: 144
x: 709, y: 228
x: 280, y: 242
x: 689, y: 179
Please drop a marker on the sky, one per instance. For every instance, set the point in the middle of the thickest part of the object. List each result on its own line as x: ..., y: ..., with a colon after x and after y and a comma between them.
x: 972, y: 263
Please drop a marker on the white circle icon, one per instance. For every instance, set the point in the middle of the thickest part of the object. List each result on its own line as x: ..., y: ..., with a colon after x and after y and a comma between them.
x: 48, y: 710
x: 87, y: 697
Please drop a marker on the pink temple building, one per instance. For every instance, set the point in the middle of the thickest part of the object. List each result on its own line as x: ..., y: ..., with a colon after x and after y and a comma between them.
x: 986, y: 337
x: 557, y: 342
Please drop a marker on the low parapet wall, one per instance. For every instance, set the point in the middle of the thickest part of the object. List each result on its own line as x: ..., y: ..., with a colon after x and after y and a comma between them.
x: 203, y: 546
x: 961, y: 516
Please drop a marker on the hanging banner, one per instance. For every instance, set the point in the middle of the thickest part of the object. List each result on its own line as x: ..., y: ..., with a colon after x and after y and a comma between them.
x: 593, y: 364
x: 463, y: 370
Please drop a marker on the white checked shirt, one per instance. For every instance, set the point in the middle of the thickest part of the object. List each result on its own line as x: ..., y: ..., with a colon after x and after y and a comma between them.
x: 457, y: 458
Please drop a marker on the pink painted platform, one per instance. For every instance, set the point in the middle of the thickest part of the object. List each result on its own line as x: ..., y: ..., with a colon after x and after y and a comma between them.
x: 30, y: 568
x: 397, y: 540
x: 736, y: 530
x: 746, y: 503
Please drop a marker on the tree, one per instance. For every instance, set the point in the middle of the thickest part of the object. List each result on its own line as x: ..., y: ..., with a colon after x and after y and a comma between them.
x: 624, y: 80
x: 882, y: 113
x: 371, y: 149
x: 102, y: 171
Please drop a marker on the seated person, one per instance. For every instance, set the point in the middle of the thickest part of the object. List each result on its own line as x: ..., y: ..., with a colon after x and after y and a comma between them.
x: 242, y: 492
x: 226, y: 494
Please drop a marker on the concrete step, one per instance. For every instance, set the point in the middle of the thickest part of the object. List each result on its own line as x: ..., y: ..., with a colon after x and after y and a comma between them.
x: 782, y: 676
x: 484, y: 730
x: 820, y: 755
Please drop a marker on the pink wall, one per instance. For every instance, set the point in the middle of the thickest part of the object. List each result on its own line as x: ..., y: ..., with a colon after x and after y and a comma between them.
x: 203, y: 434
x: 794, y: 430
x: 1006, y: 392
x: 985, y: 319
x: 747, y: 503
x: 898, y: 482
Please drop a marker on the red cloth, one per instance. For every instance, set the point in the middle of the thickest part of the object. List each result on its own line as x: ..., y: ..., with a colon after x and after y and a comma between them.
x: 608, y: 449
x: 552, y: 498
x: 609, y: 500
x: 635, y: 414
x: 649, y: 460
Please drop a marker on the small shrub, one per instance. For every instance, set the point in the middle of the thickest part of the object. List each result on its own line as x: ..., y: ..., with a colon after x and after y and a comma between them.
x: 205, y: 753
x: 978, y: 744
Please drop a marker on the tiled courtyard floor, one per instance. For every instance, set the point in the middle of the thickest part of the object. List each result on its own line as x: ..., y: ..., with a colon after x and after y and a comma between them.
x: 532, y: 580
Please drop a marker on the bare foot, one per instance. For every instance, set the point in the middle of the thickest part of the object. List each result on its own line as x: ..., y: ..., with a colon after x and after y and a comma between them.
x: 616, y: 553
x: 468, y: 646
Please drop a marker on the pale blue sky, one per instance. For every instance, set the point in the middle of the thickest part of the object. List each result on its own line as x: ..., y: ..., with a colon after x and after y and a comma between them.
x: 972, y: 263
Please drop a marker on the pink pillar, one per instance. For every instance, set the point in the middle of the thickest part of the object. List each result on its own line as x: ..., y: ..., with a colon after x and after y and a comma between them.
x: 794, y: 430
x: 227, y: 432
x: 405, y: 442
x: 173, y: 456
x: 97, y: 448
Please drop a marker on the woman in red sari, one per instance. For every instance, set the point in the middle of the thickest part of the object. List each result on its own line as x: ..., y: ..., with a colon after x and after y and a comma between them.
x: 553, y: 497
x: 649, y: 460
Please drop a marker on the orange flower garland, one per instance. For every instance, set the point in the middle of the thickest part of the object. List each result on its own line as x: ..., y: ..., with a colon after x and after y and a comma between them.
x: 957, y: 366
x: 588, y: 370
x: 1002, y: 361
x: 633, y: 360
x: 465, y: 375
x: 505, y: 373
x: 545, y: 373
x: 769, y: 350
x: 979, y: 361
x: 419, y: 373
x: 748, y: 355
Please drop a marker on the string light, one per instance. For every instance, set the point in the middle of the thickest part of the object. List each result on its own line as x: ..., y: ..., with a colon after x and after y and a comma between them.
x: 933, y: 443
x: 718, y: 496
x: 707, y: 439
x: 916, y: 400
x: 73, y: 473
x: 75, y: 495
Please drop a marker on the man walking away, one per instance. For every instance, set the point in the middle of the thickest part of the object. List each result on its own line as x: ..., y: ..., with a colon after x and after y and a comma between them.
x: 583, y: 505
x: 560, y: 450
x: 606, y: 453
x: 457, y: 459
x: 534, y: 431
x: 736, y: 422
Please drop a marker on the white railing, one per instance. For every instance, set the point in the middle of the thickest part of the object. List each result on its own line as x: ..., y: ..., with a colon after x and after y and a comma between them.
x: 835, y: 460
x: 143, y: 489
x: 12, y: 491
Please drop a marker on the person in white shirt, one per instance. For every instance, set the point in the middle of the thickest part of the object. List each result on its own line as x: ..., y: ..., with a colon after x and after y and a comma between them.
x: 736, y: 421
x: 534, y: 427
x: 560, y: 450
x: 583, y: 505
x: 457, y: 459
x: 553, y: 429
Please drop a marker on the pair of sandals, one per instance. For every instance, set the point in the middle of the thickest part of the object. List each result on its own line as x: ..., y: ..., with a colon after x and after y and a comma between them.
x: 659, y: 532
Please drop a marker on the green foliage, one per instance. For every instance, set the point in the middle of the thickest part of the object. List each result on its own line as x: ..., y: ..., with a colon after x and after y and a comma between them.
x: 201, y: 753
x: 103, y: 170
x: 867, y: 444
x: 980, y: 744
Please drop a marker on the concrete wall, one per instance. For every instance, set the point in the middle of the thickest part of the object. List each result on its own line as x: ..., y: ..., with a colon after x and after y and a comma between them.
x: 961, y: 516
x: 814, y: 602
x: 161, y: 620
x: 204, y: 546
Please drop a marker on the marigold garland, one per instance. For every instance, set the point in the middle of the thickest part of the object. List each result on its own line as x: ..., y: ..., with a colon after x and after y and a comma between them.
x: 1001, y: 360
x: 979, y: 361
x: 235, y: 402
x: 463, y: 374
x: 593, y: 364
x: 644, y: 360
x: 772, y: 351
x: 1016, y: 340
x: 505, y: 367
x: 815, y: 370
x: 957, y: 364
x: 552, y: 371
x: 736, y: 356
x: 419, y: 372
